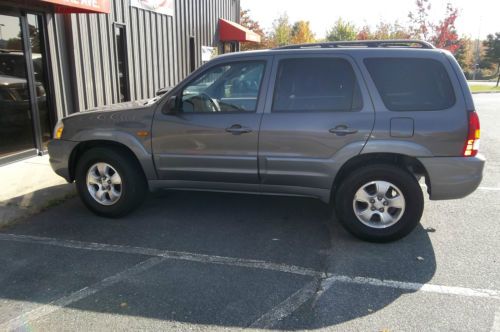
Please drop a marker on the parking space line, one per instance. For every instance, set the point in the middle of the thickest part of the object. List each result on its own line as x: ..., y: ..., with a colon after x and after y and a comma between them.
x: 310, y: 291
x: 252, y: 263
x: 46, y: 309
x: 496, y: 321
x: 478, y: 188
x: 489, y: 188
x: 287, y: 307
x: 179, y: 255
x: 412, y: 286
x: 267, y: 320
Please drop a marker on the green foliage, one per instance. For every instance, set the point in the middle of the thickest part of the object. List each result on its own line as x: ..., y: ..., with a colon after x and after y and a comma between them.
x: 464, y: 53
x: 492, y: 49
x: 492, y: 52
x: 282, y: 31
x: 342, y: 30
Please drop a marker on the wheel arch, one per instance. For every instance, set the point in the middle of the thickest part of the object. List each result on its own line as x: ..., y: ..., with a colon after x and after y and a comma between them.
x: 408, y: 163
x: 84, y: 146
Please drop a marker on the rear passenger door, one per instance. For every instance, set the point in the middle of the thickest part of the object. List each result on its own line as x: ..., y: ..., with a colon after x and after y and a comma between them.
x: 317, y: 112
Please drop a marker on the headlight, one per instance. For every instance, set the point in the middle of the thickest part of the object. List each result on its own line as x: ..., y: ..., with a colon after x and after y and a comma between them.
x: 58, y: 130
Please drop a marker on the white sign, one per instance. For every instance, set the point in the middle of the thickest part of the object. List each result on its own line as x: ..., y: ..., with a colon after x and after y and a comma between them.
x: 207, y: 53
x: 165, y: 7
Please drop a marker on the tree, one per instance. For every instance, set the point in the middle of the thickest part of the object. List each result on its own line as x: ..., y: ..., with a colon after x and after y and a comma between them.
x: 250, y: 24
x: 282, y: 31
x: 492, y: 52
x: 465, y: 55
x: 442, y: 34
x: 419, y: 20
x: 445, y: 35
x: 301, y: 33
x: 384, y: 31
x: 342, y: 30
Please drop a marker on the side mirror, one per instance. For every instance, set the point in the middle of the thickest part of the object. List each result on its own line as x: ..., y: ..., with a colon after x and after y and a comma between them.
x: 171, y: 106
x: 162, y: 91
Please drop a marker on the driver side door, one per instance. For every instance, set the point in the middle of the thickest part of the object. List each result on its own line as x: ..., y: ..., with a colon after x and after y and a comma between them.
x: 212, y: 136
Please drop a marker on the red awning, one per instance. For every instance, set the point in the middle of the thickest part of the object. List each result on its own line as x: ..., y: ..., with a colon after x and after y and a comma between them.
x: 230, y: 31
x: 80, y: 6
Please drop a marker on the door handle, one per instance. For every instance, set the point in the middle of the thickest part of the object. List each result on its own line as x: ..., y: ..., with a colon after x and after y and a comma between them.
x: 342, y: 130
x: 237, y: 129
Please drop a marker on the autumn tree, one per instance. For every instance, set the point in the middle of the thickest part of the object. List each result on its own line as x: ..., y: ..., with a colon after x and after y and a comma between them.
x: 342, y: 30
x: 250, y: 24
x: 465, y: 55
x: 301, y: 33
x: 492, y: 53
x: 420, y: 25
x: 384, y: 30
x: 281, y: 33
x: 444, y: 33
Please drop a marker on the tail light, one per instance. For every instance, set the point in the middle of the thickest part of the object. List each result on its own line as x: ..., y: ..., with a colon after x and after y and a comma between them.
x: 472, y: 143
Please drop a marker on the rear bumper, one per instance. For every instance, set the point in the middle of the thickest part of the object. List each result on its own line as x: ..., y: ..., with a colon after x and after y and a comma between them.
x: 59, y: 154
x: 453, y: 177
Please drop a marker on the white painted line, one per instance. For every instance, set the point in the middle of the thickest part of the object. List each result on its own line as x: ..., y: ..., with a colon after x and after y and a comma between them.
x: 496, y: 321
x: 251, y: 263
x: 478, y: 188
x: 413, y: 286
x: 186, y: 256
x: 287, y: 307
x: 489, y: 188
x: 46, y: 309
x: 276, y: 314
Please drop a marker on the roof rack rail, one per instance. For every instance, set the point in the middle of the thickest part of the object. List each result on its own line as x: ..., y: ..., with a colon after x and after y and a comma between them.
x: 412, y: 43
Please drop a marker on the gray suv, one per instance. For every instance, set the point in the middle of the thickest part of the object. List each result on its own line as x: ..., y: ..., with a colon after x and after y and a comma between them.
x: 354, y: 124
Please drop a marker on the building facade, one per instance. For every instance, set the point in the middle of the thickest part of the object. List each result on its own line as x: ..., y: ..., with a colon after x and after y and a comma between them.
x: 58, y: 57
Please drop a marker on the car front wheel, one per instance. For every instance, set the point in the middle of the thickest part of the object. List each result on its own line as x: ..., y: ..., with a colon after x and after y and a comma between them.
x: 109, y: 183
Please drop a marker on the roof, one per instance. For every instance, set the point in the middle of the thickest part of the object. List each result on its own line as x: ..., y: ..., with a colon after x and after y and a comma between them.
x: 376, y: 51
x: 230, y: 31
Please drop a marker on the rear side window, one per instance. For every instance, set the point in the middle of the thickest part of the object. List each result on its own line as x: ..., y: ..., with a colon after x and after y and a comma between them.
x: 409, y: 84
x: 316, y: 84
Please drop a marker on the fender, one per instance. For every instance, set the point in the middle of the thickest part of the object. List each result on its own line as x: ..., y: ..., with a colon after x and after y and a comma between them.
x: 398, y: 147
x: 128, y: 140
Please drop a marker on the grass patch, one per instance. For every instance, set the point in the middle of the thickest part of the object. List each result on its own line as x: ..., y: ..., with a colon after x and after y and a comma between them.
x: 483, y: 88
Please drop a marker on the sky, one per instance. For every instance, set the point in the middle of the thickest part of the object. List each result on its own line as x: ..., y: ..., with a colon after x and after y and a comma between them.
x: 476, y: 17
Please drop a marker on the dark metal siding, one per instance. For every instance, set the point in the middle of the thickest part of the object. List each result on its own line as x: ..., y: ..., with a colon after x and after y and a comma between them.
x: 82, y: 49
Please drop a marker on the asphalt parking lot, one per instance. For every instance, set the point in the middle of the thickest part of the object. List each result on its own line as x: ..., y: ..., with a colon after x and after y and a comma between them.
x: 205, y: 261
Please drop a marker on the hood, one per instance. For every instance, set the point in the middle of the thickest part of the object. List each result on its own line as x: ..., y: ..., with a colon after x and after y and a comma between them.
x: 129, y: 105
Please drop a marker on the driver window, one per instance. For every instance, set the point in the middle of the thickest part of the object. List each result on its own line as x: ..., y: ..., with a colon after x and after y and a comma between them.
x: 230, y: 87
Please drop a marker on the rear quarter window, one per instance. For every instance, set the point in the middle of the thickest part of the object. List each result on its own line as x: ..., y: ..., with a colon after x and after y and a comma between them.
x: 411, y: 84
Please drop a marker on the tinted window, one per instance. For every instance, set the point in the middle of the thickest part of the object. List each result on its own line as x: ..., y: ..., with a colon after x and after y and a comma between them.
x: 407, y: 84
x: 225, y: 88
x: 316, y: 84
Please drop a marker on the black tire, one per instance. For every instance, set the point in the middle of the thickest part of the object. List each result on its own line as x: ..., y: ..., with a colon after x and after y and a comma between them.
x: 401, y: 178
x: 133, y: 186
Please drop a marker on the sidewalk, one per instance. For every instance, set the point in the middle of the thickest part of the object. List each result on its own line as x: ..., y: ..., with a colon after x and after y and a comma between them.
x: 29, y: 187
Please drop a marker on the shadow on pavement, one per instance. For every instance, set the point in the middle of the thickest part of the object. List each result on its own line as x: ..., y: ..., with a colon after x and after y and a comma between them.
x: 292, y: 231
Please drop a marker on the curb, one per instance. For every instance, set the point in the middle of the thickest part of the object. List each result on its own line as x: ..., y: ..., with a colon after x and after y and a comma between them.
x: 478, y: 92
x: 20, y: 208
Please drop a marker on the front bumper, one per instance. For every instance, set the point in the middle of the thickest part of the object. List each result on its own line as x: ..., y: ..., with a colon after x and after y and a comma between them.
x: 453, y: 177
x: 59, y: 155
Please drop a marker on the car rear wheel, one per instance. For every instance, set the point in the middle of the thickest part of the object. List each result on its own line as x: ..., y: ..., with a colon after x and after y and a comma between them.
x: 109, y: 183
x: 379, y: 203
